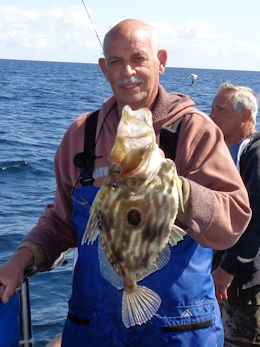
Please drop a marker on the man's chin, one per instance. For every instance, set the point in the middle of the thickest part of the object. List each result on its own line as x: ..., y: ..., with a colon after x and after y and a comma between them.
x: 135, y: 103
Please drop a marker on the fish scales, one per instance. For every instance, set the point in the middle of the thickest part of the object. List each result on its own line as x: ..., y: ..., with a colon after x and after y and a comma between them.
x: 136, y: 208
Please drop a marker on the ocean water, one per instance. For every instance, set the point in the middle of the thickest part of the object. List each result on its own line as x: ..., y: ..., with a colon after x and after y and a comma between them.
x: 38, y: 101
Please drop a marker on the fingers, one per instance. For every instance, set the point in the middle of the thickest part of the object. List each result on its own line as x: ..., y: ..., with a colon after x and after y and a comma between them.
x: 225, y: 296
x: 6, y: 293
x: 1, y: 290
x: 220, y: 292
x: 221, y: 296
x: 12, y: 272
x: 3, y: 295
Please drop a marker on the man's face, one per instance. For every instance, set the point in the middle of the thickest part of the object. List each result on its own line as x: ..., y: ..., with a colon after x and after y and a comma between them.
x: 132, y: 69
x: 223, y: 114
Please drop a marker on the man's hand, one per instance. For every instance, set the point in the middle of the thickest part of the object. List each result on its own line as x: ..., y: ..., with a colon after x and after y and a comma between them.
x: 12, y: 272
x: 222, y: 281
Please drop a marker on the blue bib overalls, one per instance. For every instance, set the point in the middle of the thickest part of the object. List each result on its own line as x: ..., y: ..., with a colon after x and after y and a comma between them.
x: 188, y: 316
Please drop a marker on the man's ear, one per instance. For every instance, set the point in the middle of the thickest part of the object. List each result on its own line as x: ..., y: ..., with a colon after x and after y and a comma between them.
x: 162, y: 56
x: 247, y: 113
x: 102, y: 64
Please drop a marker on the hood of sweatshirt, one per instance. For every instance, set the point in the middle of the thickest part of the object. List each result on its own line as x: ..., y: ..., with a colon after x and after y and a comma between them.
x: 169, y: 107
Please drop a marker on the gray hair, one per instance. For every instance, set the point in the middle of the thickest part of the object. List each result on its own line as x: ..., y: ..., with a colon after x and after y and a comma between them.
x: 244, y: 97
x: 154, y: 39
x: 152, y: 33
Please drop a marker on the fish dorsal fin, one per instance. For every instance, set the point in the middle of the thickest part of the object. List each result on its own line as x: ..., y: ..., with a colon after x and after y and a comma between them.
x: 92, y: 229
x: 176, y: 235
x: 160, y: 262
x: 107, y: 270
x: 139, y: 306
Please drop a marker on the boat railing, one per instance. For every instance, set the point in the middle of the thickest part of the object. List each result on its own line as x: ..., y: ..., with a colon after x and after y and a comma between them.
x: 23, y: 291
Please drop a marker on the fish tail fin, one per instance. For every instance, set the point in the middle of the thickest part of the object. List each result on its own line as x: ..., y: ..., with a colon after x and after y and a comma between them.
x: 139, y: 306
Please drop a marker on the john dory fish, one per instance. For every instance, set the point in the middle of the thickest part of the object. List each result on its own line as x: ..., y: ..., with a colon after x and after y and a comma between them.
x: 133, y: 215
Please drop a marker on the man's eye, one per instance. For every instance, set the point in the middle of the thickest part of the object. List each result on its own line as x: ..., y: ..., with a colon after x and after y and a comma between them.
x: 216, y: 109
x: 113, y: 62
x: 139, y: 58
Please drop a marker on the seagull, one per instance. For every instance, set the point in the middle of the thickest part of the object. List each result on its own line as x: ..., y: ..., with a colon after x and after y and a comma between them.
x: 194, y: 77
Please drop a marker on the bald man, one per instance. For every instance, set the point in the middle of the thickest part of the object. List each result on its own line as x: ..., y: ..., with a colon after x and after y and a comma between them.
x: 216, y: 212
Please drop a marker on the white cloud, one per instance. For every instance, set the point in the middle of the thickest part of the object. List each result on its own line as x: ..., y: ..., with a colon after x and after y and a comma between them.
x: 165, y: 30
x: 56, y: 12
x: 54, y: 34
x: 66, y: 34
x: 11, y: 14
x: 195, y: 44
x: 198, y: 29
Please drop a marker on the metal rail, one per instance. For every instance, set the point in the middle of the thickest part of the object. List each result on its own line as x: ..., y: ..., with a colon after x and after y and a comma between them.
x: 23, y: 291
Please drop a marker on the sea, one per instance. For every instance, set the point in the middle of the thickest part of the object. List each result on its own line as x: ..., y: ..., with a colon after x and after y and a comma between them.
x: 38, y: 102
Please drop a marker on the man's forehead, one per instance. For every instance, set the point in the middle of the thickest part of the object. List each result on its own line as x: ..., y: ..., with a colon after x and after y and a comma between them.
x: 223, y: 97
x: 127, y: 37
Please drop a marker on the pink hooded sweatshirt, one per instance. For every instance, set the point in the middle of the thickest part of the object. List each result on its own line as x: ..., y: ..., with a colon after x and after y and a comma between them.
x: 219, y: 209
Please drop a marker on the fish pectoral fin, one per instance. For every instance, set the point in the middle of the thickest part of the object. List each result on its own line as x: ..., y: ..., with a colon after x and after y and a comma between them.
x: 107, y: 270
x: 92, y: 229
x: 139, y: 306
x: 177, y: 234
x: 160, y: 262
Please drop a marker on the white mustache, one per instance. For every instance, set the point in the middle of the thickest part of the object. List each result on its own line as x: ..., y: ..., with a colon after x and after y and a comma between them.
x: 132, y: 79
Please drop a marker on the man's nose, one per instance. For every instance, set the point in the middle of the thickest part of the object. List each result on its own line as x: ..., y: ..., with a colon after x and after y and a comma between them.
x: 212, y: 115
x: 128, y: 69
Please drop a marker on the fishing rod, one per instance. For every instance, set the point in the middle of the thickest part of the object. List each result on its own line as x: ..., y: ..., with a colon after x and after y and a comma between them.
x: 94, y: 27
x: 92, y: 23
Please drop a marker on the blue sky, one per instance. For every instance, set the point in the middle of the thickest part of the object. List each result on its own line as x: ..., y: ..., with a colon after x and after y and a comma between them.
x: 220, y: 34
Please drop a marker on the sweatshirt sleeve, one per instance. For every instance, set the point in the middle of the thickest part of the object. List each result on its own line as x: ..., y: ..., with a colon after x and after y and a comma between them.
x: 219, y: 210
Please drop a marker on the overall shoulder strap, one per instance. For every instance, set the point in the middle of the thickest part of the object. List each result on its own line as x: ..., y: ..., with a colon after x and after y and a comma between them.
x: 85, y: 160
x: 169, y: 139
x: 90, y: 133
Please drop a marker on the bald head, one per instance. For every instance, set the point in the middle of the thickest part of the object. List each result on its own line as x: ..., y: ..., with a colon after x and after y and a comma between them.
x: 133, y: 63
x: 126, y: 28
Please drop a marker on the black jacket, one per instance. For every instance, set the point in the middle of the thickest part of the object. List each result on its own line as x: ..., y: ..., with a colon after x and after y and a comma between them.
x: 243, y: 259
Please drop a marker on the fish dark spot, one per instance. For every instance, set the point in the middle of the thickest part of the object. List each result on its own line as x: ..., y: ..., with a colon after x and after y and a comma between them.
x: 148, y: 234
x: 105, y: 225
x: 134, y: 217
x: 117, y: 256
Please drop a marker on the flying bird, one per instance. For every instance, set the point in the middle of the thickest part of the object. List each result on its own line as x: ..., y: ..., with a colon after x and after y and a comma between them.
x: 194, y: 77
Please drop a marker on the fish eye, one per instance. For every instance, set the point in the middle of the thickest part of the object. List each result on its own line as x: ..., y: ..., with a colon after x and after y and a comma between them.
x: 115, y: 169
x: 134, y: 217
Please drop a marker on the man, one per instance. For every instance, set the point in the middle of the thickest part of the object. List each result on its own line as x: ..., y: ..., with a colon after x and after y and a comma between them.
x: 215, y: 211
x: 237, y: 278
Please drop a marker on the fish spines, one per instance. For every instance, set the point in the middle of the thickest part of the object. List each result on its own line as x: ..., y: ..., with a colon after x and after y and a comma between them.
x: 139, y: 306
